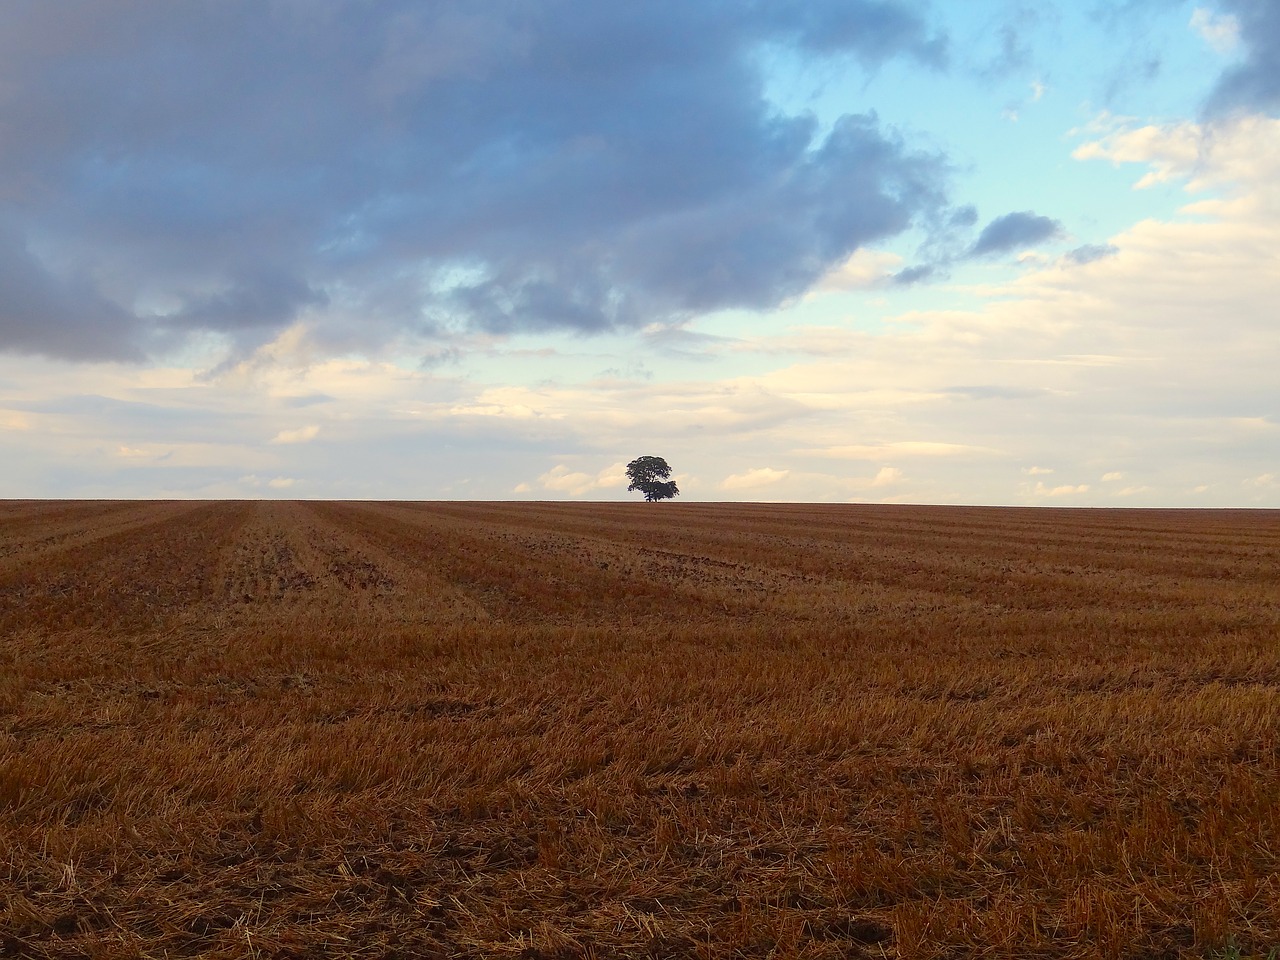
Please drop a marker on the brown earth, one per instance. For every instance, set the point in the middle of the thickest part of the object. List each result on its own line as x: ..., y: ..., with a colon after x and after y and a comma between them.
x: 637, y: 730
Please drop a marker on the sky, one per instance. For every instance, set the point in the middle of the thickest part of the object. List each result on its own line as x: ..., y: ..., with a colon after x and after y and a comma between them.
x: 991, y: 252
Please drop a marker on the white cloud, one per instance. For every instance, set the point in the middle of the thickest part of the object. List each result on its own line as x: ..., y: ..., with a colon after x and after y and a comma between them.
x: 1243, y: 153
x: 866, y: 268
x: 142, y: 453
x: 751, y: 479
x: 1171, y: 152
x: 1132, y: 491
x: 637, y: 410
x: 887, y: 477
x: 1220, y: 31
x: 1113, y: 476
x: 612, y: 476
x: 1263, y: 481
x: 275, y: 483
x: 562, y: 479
x: 301, y: 435
x: 1037, y: 471
x: 1064, y: 490
x: 510, y: 411
x: 900, y: 448
x: 13, y: 420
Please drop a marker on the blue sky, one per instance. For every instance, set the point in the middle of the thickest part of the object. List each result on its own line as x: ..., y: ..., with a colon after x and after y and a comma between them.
x: 840, y: 250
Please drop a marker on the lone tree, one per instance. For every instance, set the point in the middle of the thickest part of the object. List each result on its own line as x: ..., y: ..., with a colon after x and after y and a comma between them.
x: 649, y: 476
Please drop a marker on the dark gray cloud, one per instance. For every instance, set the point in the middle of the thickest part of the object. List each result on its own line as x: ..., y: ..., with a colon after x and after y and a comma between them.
x: 909, y: 276
x: 261, y: 300
x: 310, y: 400
x: 1014, y: 230
x: 1254, y: 83
x: 1091, y: 252
x: 41, y: 312
x: 493, y: 164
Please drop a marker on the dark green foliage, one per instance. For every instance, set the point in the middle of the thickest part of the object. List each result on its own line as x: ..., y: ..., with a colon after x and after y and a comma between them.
x: 649, y: 476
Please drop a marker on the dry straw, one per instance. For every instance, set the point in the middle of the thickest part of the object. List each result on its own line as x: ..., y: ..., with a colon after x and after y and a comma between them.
x: 482, y: 730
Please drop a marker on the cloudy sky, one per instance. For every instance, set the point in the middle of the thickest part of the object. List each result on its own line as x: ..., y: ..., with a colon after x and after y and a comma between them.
x: 992, y: 252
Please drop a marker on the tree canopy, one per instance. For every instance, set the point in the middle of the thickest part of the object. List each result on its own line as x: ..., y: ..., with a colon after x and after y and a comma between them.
x: 650, y: 476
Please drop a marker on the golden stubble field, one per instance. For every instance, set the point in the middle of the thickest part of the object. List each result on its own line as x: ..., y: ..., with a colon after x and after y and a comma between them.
x: 266, y: 729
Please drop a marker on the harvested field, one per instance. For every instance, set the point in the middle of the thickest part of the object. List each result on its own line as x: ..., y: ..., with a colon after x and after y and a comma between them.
x: 248, y: 729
